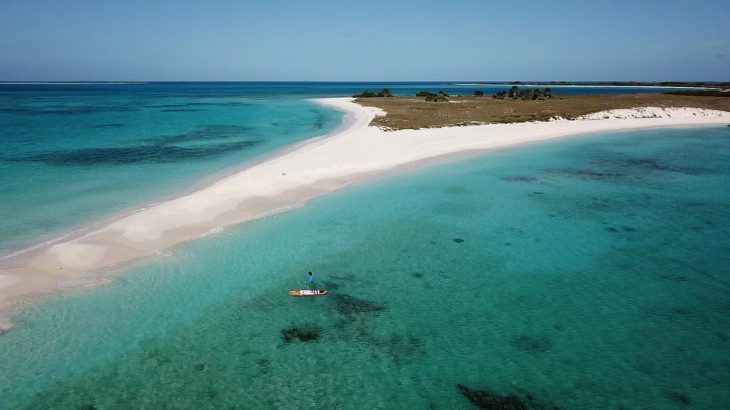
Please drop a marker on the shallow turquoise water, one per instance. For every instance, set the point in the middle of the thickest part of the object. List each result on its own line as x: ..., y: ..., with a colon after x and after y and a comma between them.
x: 68, y: 157
x: 75, y: 153
x: 586, y: 273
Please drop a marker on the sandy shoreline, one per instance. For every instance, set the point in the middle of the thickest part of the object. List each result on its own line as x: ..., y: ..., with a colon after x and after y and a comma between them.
x: 681, y: 87
x: 289, y: 179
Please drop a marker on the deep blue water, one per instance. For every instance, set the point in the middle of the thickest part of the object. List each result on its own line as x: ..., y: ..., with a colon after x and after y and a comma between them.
x: 289, y: 89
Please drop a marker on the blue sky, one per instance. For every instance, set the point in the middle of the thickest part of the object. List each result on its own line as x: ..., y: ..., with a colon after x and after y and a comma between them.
x: 369, y: 40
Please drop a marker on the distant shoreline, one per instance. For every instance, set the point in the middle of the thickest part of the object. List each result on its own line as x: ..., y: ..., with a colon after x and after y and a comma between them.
x: 692, y: 87
x: 605, y: 84
x: 416, y: 112
x: 598, y: 84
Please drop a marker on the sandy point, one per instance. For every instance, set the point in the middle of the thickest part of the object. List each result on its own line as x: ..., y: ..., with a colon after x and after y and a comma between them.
x: 289, y: 179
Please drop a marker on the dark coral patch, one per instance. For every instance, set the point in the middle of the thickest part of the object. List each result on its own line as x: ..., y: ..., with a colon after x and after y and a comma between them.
x: 161, y: 149
x: 417, y: 274
x: 611, y: 229
x: 142, y: 153
x: 304, y: 334
x: 78, y: 110
x: 263, y: 365
x: 680, y: 398
x: 655, y: 165
x: 533, y: 344
x: 586, y: 174
x: 330, y: 285
x: 350, y: 305
x: 458, y: 240
x: 491, y: 401
x: 115, y: 125
x: 401, y: 348
x: 521, y: 178
x: 206, y: 133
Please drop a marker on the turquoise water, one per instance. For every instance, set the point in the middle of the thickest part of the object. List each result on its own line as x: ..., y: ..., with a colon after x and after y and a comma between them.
x: 74, y: 153
x: 585, y: 273
x: 71, y: 156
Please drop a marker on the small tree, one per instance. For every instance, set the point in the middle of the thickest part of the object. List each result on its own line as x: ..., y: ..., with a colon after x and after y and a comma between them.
x: 513, y: 92
x: 370, y: 94
x: 365, y: 94
x: 440, y: 97
x: 479, y: 93
x: 548, y: 93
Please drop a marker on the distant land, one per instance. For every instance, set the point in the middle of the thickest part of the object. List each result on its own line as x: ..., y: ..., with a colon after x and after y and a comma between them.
x: 701, y: 84
x: 692, y: 84
x: 416, y: 113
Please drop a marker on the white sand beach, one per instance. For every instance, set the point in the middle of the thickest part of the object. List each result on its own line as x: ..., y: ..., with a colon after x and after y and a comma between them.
x: 355, y: 153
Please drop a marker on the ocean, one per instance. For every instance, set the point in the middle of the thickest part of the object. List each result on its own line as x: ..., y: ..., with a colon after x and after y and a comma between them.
x: 95, y: 150
x: 582, y: 273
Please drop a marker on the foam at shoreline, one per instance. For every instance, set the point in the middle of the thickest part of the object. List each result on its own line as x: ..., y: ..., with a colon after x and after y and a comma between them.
x: 288, y: 180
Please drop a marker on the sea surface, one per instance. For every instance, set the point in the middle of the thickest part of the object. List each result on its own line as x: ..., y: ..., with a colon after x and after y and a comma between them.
x: 583, y: 273
x: 71, y: 153
x: 75, y: 153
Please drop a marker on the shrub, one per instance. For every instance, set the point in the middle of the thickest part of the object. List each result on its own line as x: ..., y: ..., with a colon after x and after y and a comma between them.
x: 440, y: 97
x: 479, y: 93
x: 364, y: 94
x: 369, y: 94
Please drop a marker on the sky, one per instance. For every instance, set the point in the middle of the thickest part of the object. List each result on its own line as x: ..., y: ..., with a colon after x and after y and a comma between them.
x: 373, y: 40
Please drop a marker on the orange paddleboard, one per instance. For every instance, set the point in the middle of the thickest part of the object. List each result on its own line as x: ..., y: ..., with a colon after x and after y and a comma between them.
x: 308, y: 292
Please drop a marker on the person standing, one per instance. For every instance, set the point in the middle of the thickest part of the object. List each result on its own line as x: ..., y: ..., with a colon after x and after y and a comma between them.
x: 310, y: 283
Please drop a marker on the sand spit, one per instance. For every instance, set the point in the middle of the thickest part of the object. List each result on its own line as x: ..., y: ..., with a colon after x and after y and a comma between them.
x: 355, y: 153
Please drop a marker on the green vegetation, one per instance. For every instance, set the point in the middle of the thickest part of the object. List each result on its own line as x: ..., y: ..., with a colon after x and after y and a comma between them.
x: 700, y: 93
x: 707, y: 84
x: 431, y: 97
x: 525, y: 94
x: 370, y: 94
x: 440, y: 97
x: 414, y: 113
x: 478, y: 93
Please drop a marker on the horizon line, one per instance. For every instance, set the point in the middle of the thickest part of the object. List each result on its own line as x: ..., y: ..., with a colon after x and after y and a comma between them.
x: 469, y: 82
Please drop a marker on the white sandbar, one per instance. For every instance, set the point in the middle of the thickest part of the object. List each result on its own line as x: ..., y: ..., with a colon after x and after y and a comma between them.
x: 290, y: 179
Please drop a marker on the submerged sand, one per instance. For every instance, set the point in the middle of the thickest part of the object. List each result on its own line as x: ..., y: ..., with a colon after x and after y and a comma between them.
x: 355, y: 153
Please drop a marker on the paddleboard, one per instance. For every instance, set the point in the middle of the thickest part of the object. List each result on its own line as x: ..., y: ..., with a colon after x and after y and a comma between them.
x: 308, y: 292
